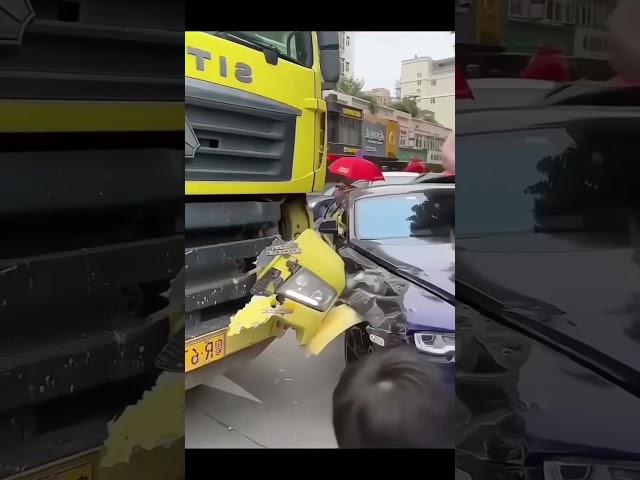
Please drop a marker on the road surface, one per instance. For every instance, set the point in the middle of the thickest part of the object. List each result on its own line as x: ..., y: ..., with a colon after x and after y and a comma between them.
x: 295, y: 394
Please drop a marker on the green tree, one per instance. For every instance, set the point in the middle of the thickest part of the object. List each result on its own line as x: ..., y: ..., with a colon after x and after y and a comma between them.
x: 408, y: 105
x: 353, y: 87
x: 373, y: 103
x: 350, y: 86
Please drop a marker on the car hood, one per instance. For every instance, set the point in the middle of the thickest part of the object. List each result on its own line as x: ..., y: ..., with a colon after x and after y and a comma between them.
x: 592, y: 304
x: 518, y: 400
x: 427, y: 312
x: 429, y: 263
x: 395, y: 302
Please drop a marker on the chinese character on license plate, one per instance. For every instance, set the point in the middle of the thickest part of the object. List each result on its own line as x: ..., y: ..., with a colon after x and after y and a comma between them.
x: 204, y: 350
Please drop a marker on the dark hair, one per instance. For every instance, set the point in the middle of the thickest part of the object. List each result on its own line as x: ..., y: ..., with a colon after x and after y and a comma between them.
x: 394, y: 399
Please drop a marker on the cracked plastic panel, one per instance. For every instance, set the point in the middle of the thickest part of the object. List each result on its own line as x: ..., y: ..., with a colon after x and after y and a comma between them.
x: 374, y: 293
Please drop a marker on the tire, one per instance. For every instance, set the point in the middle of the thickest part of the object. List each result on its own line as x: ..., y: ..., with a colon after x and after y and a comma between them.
x: 356, y: 343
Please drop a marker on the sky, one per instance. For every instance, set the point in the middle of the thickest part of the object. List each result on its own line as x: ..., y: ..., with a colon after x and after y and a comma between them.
x: 378, y: 55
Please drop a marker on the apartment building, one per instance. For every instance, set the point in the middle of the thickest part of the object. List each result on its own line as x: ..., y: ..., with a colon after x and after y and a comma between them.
x: 382, y: 96
x: 347, y: 66
x: 432, y: 84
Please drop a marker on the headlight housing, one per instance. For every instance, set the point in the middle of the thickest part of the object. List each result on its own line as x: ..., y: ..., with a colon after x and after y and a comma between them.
x: 437, y: 344
x: 308, y: 289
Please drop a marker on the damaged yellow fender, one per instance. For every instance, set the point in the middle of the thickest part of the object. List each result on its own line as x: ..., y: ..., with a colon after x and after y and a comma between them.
x: 298, y: 288
x: 339, y: 319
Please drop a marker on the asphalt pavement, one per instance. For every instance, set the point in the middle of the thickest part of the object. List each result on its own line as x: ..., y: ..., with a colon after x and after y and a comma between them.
x: 282, y: 399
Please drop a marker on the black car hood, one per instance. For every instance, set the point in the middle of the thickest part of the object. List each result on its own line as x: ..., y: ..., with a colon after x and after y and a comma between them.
x: 390, y: 302
x: 428, y: 262
x: 593, y: 315
x: 519, y: 401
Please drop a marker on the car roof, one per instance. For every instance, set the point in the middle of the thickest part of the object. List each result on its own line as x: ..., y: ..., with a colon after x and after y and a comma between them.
x: 400, y: 174
x: 430, y: 177
x: 383, y: 190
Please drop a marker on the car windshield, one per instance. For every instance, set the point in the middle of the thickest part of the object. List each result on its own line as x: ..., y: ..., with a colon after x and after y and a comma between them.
x: 294, y: 46
x: 419, y: 214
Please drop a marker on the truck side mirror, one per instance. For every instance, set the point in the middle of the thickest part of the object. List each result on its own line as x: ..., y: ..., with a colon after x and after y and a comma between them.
x: 329, y: 227
x: 329, y: 58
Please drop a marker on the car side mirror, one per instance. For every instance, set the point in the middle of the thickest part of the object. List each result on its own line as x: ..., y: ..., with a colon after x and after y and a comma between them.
x: 329, y: 227
x: 321, y: 207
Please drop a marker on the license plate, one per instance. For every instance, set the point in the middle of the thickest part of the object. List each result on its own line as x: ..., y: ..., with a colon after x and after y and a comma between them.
x: 79, y: 467
x: 204, y: 350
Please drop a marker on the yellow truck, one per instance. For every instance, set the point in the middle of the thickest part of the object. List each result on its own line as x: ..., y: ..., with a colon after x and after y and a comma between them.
x: 91, y: 201
x: 255, y: 145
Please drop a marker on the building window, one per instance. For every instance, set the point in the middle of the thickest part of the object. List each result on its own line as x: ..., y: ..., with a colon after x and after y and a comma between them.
x: 433, y: 100
x: 347, y: 63
x: 350, y: 131
x: 419, y: 82
x: 433, y: 83
x: 417, y: 90
x: 403, y: 138
x: 347, y: 40
x: 517, y: 8
x: 419, y: 75
x: 564, y: 11
x: 341, y: 65
x: 333, y: 128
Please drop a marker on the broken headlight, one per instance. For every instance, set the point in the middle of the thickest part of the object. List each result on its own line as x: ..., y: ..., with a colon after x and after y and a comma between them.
x: 308, y: 289
x: 442, y: 345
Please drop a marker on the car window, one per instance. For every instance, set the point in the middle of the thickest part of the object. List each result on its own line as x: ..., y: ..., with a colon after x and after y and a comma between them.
x: 576, y: 177
x: 420, y: 214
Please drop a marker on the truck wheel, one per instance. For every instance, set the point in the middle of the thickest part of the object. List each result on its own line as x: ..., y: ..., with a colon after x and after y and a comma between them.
x: 356, y: 343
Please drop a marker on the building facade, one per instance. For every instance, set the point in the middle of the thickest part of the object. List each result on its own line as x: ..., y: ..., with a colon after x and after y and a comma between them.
x: 389, y: 137
x: 344, y: 127
x: 382, y: 96
x: 577, y: 26
x: 432, y: 84
x: 347, y: 65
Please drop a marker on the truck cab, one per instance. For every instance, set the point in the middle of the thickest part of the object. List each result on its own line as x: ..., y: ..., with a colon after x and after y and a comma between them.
x: 255, y: 145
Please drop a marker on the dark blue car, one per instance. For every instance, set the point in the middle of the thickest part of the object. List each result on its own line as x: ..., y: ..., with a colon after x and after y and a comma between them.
x: 398, y: 246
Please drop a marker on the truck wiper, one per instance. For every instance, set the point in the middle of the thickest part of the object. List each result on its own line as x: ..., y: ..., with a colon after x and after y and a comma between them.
x: 271, y: 53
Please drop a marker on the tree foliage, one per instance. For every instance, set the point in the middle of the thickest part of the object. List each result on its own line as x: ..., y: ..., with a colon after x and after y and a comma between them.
x: 353, y: 87
x: 407, y: 105
x: 350, y: 86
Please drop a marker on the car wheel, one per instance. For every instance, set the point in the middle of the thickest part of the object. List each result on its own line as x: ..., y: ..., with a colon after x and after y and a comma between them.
x: 356, y: 343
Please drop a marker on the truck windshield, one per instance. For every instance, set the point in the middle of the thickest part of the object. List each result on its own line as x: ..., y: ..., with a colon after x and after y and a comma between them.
x: 292, y: 46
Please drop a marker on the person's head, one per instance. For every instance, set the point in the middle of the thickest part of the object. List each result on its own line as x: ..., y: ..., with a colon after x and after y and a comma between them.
x: 393, y: 399
x: 624, y: 43
x: 449, y: 153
